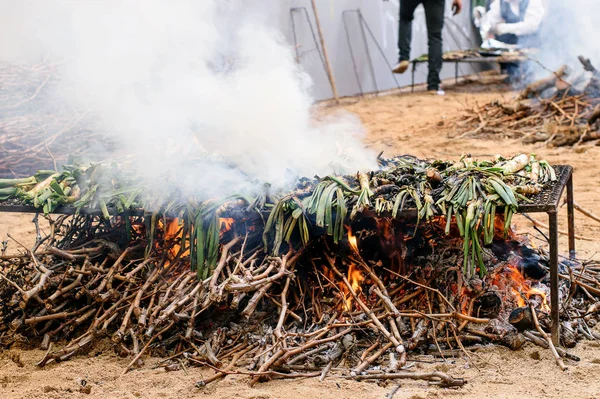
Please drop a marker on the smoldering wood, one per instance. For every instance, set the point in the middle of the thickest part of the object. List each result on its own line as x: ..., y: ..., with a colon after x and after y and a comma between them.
x: 539, y: 86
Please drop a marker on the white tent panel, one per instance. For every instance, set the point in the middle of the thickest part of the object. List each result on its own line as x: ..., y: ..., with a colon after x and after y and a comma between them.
x: 340, y: 23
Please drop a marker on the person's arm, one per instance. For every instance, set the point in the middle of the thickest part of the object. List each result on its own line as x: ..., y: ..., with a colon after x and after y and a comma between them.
x: 492, y: 18
x: 532, y: 21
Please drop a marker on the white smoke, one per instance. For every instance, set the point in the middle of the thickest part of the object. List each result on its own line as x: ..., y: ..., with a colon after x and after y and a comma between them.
x: 569, y: 29
x: 184, y: 83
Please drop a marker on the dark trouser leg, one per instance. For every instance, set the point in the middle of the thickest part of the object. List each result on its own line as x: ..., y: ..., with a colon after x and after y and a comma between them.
x: 407, y: 13
x: 434, y: 16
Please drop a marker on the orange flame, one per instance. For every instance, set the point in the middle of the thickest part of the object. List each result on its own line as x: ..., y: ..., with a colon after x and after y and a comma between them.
x: 355, y: 278
x: 226, y: 225
x: 139, y: 228
x: 499, y: 229
x: 511, y: 279
x: 352, y: 240
x: 174, y: 233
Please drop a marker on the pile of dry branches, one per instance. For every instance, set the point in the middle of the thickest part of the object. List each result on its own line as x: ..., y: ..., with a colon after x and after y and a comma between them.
x: 356, y: 309
x: 38, y: 128
x: 560, y: 110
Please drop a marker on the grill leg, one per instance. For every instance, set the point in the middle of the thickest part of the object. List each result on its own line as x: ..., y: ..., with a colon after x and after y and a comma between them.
x: 554, y: 303
x: 571, y: 218
x: 456, y: 72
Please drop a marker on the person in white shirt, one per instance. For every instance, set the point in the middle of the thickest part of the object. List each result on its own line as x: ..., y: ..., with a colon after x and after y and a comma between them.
x: 515, y: 22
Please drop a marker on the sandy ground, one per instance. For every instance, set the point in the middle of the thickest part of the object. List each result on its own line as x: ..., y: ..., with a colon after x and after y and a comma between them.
x: 418, y: 124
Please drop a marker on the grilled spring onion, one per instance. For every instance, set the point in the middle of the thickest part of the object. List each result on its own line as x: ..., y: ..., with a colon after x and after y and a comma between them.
x: 528, y: 189
x: 364, y: 198
x: 535, y: 169
x: 6, y: 183
x: 514, y: 165
x: 547, y: 171
x: 7, y: 193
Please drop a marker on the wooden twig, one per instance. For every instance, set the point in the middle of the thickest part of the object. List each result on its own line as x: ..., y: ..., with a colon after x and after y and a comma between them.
x: 399, y: 346
x: 585, y: 211
x: 325, y: 371
x: 139, y: 355
x: 559, y: 361
x: 224, y: 372
x: 544, y: 344
x: 390, y: 395
x: 283, y: 311
x: 438, y: 377
x: 562, y: 232
x: 368, y: 361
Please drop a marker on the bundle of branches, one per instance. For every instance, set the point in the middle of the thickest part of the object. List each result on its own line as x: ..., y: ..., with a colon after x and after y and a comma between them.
x: 295, y: 293
x: 37, y: 128
x: 560, y: 110
x: 63, y: 289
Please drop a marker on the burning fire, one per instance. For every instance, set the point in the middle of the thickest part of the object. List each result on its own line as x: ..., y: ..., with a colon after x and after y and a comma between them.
x: 352, y: 241
x: 139, y: 228
x: 511, y: 280
x: 355, y: 278
x: 226, y: 225
x: 174, y: 232
x: 499, y: 229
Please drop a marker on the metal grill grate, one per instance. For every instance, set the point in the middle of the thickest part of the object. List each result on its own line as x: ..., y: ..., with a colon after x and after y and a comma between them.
x: 548, y: 199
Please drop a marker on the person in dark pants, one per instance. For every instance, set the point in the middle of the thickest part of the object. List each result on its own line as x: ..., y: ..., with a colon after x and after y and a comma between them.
x: 434, y: 17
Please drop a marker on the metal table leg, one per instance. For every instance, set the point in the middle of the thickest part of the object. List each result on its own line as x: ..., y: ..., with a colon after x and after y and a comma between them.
x: 554, y: 303
x: 571, y: 218
x: 456, y: 72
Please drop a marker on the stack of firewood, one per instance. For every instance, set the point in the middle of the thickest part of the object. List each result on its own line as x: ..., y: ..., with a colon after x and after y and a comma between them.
x: 39, y: 129
x: 560, y: 110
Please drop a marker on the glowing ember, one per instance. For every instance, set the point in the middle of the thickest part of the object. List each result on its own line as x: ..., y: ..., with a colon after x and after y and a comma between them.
x: 464, y: 300
x: 139, y: 228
